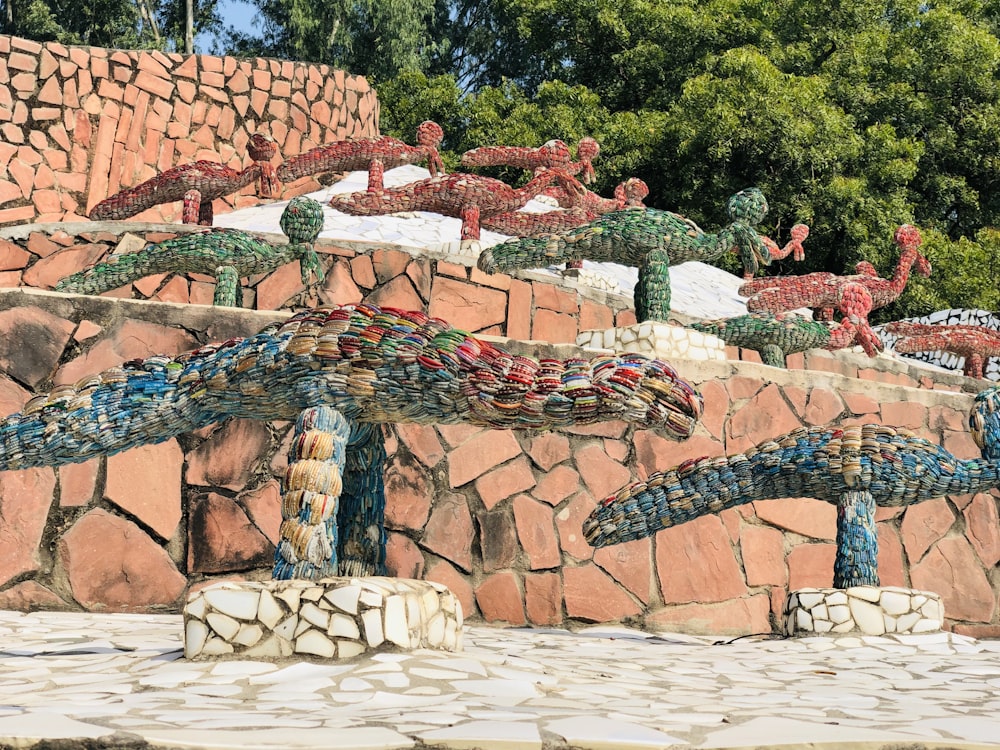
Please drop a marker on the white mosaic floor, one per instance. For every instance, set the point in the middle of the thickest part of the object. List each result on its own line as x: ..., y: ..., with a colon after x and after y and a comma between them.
x: 122, y: 677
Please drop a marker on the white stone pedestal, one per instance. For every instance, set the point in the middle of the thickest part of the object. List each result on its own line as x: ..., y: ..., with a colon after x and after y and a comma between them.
x: 334, y: 618
x: 873, y: 610
x: 664, y: 341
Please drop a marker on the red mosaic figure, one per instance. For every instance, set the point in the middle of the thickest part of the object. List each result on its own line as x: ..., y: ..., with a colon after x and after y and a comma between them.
x: 552, y: 155
x: 373, y: 154
x: 853, y: 296
x: 580, y: 207
x: 793, y: 247
x: 197, y: 184
x: 468, y: 197
x: 974, y: 343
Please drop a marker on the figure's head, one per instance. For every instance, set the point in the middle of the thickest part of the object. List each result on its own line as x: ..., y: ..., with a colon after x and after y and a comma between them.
x: 556, y: 153
x: 429, y: 133
x: 747, y: 207
x: 261, y: 147
x: 908, y: 238
x: 649, y: 394
x: 302, y: 220
x: 984, y: 422
x: 631, y: 193
x: 587, y: 149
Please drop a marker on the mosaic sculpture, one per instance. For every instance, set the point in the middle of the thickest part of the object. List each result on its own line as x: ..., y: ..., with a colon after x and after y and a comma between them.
x: 959, y: 316
x: 649, y: 239
x: 774, y: 337
x: 855, y: 467
x: 197, y: 184
x: 793, y: 247
x: 469, y: 197
x: 373, y: 154
x: 579, y: 208
x: 551, y: 155
x: 853, y: 296
x: 974, y: 343
x: 342, y: 371
x: 227, y: 254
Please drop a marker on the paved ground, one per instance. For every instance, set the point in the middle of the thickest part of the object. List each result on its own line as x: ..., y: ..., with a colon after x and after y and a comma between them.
x: 122, y: 679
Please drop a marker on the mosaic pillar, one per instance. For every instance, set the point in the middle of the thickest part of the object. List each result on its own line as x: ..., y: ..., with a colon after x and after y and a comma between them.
x: 361, y: 517
x: 857, y: 541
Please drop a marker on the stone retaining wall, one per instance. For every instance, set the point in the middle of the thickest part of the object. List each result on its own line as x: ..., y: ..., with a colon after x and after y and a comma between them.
x: 78, y: 124
x: 495, y: 516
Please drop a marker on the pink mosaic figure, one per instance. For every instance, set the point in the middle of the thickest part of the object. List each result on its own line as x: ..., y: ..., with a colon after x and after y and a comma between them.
x: 853, y: 296
x: 974, y: 343
x: 579, y: 207
x: 553, y: 154
x: 197, y: 185
x: 373, y: 154
x: 793, y: 247
x: 468, y: 197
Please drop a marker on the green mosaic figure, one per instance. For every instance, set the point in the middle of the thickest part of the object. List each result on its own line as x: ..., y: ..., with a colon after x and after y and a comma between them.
x: 649, y: 239
x: 227, y: 254
x: 774, y: 337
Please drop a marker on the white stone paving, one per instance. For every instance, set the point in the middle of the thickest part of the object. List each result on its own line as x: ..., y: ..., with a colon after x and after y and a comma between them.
x: 100, y: 677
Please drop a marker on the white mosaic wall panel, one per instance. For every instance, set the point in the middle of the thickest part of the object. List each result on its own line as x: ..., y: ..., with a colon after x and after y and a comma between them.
x: 872, y: 610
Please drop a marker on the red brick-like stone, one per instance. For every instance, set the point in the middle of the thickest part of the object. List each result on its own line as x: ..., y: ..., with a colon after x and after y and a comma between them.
x: 551, y: 297
x: 764, y: 417
x: 389, y: 264
x: 423, y: 442
x: 78, y: 482
x: 951, y: 570
x: 908, y: 414
x: 519, y: 310
x: 549, y: 449
x: 742, y: 386
x: 556, y: 485
x: 716, y: 399
x: 263, y: 507
x: 590, y: 594
x: 221, y: 538
x: 656, y: 453
x: 824, y: 406
x: 339, y: 288
x: 466, y: 305
x: 946, y: 418
x: 890, y: 556
x: 133, y: 339
x: 745, y: 616
x: 456, y: 434
x: 602, y: 474
x: 569, y: 524
x: 499, y: 599
x: 113, y: 565
x: 400, y: 293
x: 230, y: 456
x: 504, y: 481
x: 280, y: 285
x: 497, y: 540
x: 449, y: 531
x: 145, y: 481
x: 443, y: 573
x: 631, y: 565
x: 479, y: 454
x: 537, y: 533
x: 31, y: 342
x: 12, y: 396
x: 25, y: 497
x: 407, y: 494
x: 982, y: 527
x: 595, y: 317
x: 811, y: 565
x: 695, y: 562
x: 763, y: 551
x: 402, y: 557
x: 859, y: 403
x: 29, y: 596
x: 803, y: 515
x: 924, y: 524
x: 557, y: 328
x: 961, y: 444
x: 46, y: 272
x: 543, y: 598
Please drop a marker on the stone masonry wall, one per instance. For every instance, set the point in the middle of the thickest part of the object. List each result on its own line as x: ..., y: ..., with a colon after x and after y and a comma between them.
x: 78, y: 124
x: 496, y: 516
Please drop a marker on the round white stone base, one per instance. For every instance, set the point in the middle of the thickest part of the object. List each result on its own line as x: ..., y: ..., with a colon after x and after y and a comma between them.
x: 873, y: 610
x: 333, y: 618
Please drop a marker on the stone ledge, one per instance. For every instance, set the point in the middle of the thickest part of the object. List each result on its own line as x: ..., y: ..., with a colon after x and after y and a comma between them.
x: 661, y: 340
x: 872, y: 610
x: 333, y: 618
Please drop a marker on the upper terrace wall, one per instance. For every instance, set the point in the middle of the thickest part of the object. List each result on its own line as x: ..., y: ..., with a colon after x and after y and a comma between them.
x: 78, y: 124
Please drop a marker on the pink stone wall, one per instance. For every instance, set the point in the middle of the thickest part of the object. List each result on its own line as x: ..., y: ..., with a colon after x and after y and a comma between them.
x: 496, y: 516
x: 78, y: 124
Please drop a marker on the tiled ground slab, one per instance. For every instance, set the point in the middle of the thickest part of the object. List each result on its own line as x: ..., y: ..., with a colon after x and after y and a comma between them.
x: 73, y: 676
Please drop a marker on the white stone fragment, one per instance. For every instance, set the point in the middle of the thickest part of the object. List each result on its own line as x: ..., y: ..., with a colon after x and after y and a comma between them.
x: 802, y: 620
x: 291, y: 597
x: 313, y: 593
x: 868, y: 616
x: 241, y: 604
x: 819, y: 612
x: 372, y: 622
x: 302, y: 627
x: 196, y: 607
x: 347, y: 649
x: 890, y: 623
x: 371, y: 598
x: 435, y: 630
x: 345, y: 598
x: 822, y: 626
x: 223, y: 625
x: 844, y: 627
x: 216, y: 647
x: 249, y: 635
x: 269, y: 612
x: 269, y: 648
x: 895, y: 603
x: 809, y: 599
x: 287, y: 628
x: 394, y: 626
x: 839, y: 613
x: 932, y: 610
x: 905, y: 623
x: 195, y: 635
x: 866, y: 593
x: 836, y: 597
x: 925, y: 626
x: 315, y: 615
x: 314, y: 642
x: 342, y: 626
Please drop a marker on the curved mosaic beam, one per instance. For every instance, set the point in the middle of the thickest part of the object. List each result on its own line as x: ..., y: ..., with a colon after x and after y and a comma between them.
x: 649, y: 239
x: 855, y: 467
x: 197, y: 184
x: 373, y: 154
x: 372, y: 366
x: 227, y: 254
